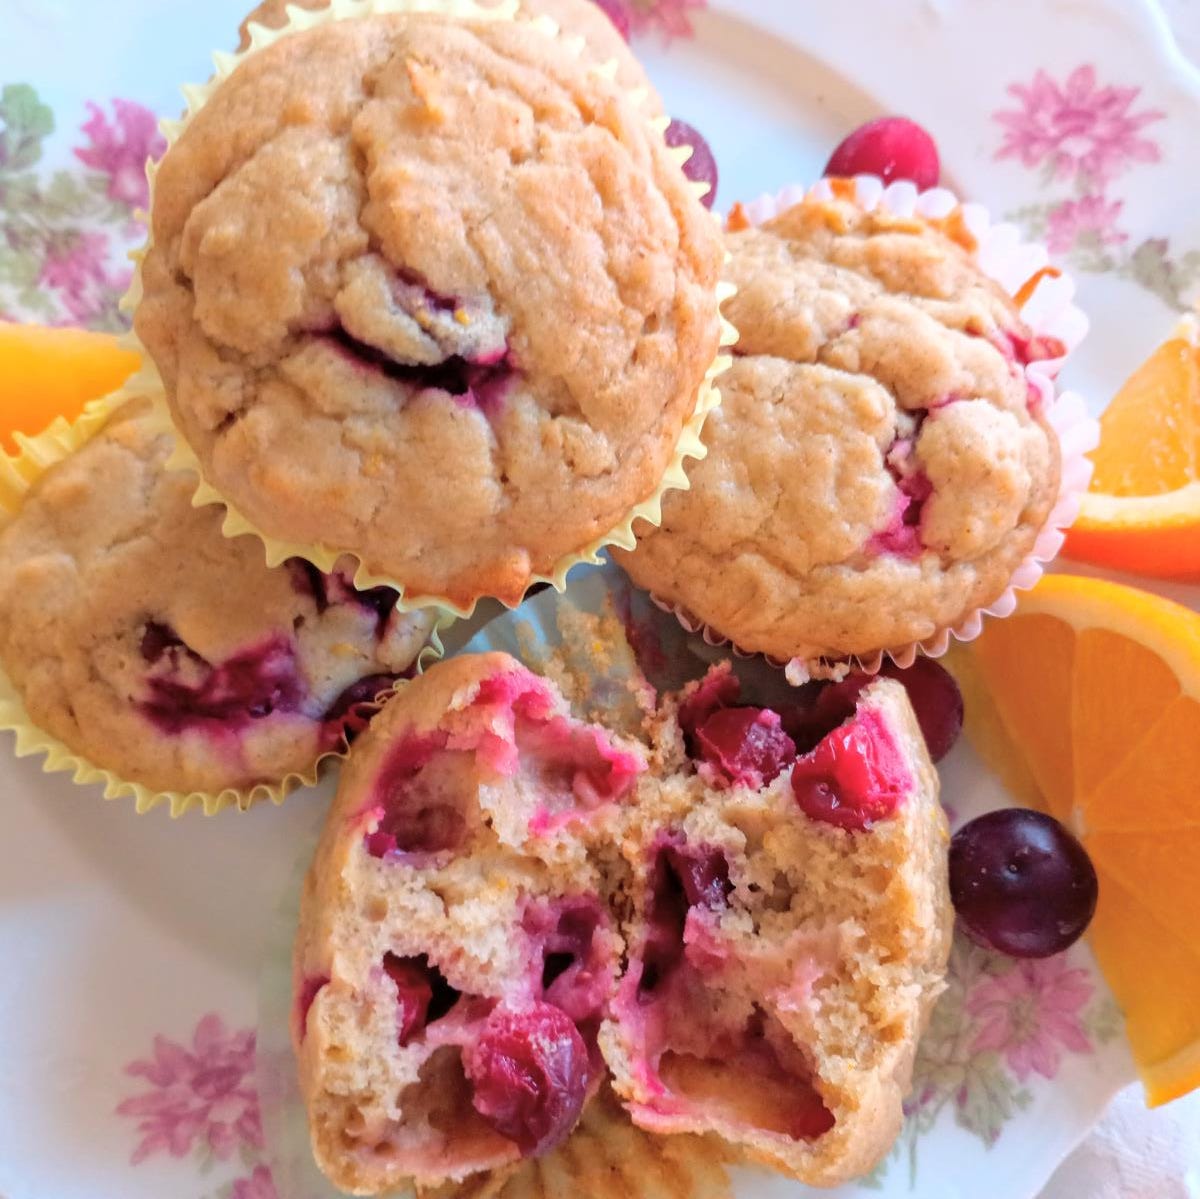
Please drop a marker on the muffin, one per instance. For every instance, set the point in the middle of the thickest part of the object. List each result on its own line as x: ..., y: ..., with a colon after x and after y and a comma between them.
x: 744, y: 917
x: 578, y: 18
x: 449, y: 314
x: 155, y: 648
x: 455, y: 954
x: 789, y: 933
x: 880, y: 466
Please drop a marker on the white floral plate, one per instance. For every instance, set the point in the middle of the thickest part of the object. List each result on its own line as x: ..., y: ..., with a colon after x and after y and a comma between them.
x: 132, y: 947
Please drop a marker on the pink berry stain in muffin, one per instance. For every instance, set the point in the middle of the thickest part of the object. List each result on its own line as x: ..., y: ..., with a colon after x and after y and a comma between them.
x: 306, y: 995
x: 423, y: 996
x: 855, y: 777
x: 571, y: 965
x: 530, y: 1059
x: 185, y: 692
x: 461, y: 351
x: 511, y: 729
x: 893, y: 148
x: 696, y: 1057
x: 688, y: 883
x: 415, y: 815
x: 902, y: 536
x: 481, y: 382
x: 529, y: 1070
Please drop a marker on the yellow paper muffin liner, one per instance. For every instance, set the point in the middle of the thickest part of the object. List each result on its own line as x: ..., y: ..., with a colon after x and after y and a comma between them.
x: 1045, y: 297
x: 236, y: 523
x: 18, y: 475
x: 608, y: 1157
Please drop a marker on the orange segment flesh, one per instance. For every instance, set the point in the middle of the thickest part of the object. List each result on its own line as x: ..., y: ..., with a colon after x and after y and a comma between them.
x: 1142, y: 512
x: 1088, y: 701
x: 1038, y: 717
x: 1149, y: 433
x: 46, y: 373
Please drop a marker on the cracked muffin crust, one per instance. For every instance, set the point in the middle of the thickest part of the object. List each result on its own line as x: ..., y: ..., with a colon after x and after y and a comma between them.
x: 578, y: 18
x: 450, y: 313
x: 880, y: 466
x: 158, y: 649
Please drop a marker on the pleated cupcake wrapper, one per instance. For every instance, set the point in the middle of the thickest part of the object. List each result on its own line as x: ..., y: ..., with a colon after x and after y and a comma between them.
x: 236, y: 523
x: 1048, y: 308
x: 18, y: 474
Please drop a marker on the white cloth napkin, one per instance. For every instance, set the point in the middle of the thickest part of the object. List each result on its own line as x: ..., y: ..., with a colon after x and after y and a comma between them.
x: 1136, y: 1154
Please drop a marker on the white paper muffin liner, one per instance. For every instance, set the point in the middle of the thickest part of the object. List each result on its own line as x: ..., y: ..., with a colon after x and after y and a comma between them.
x: 1048, y: 308
x: 689, y: 444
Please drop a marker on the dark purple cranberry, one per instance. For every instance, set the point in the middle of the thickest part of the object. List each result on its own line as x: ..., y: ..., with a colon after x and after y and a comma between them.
x: 683, y: 877
x: 617, y: 11
x: 483, y: 383
x: 157, y: 639
x: 1021, y: 883
x: 718, y: 689
x: 747, y: 745
x: 249, y: 686
x: 936, y: 700
x: 530, y: 1072
x: 308, y: 580
x: 702, y: 872
x: 413, y: 995
x: 702, y: 166
x: 362, y: 692
x: 823, y: 707
x: 892, y: 148
x: 380, y: 600
x: 932, y: 691
x: 423, y: 995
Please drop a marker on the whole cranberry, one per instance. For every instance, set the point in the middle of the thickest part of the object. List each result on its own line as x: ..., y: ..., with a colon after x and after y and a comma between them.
x: 892, y: 148
x: 530, y: 1073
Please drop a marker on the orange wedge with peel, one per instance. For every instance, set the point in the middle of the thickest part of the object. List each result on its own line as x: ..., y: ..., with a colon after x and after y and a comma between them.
x: 47, y: 372
x: 1142, y: 511
x: 1086, y: 702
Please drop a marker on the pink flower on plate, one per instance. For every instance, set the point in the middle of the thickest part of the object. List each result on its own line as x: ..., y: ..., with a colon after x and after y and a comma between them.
x: 77, y: 268
x: 203, y: 1094
x: 1031, y: 1013
x: 260, y: 1185
x: 1072, y: 219
x: 1077, y: 127
x: 119, y: 149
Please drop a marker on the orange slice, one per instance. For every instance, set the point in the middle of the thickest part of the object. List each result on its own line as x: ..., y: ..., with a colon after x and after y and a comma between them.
x: 46, y: 373
x: 1087, y: 703
x: 1142, y: 512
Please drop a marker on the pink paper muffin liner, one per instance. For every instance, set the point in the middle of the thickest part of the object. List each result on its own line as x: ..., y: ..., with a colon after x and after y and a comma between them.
x: 1050, y: 312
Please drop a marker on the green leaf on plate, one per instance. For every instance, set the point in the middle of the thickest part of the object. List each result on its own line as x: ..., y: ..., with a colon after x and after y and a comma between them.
x: 1150, y: 266
x: 26, y: 122
x: 988, y: 1098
